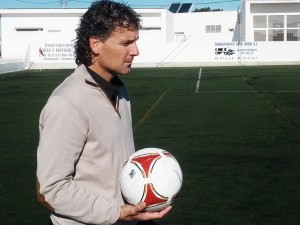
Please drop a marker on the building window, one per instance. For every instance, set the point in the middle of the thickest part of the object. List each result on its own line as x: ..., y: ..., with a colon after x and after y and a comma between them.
x: 293, y: 21
x: 260, y: 22
x: 28, y: 29
x: 275, y: 21
x: 180, y: 36
x: 260, y: 35
x: 213, y: 28
x: 276, y: 27
x: 150, y: 28
x: 54, y: 31
x: 276, y: 35
x: 293, y: 35
x: 260, y: 27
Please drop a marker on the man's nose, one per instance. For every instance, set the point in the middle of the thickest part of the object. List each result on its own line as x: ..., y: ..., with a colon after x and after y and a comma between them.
x: 134, y: 51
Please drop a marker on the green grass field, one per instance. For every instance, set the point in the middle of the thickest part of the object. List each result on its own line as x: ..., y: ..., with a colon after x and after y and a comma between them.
x: 237, y: 140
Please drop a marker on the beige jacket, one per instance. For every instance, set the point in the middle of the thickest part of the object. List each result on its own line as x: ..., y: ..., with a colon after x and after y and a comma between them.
x: 83, y: 145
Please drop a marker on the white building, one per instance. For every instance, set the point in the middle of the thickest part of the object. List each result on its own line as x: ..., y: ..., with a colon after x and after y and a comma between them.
x: 258, y: 32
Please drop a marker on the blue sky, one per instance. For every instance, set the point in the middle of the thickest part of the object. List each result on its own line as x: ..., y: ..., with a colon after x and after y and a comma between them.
x: 213, y: 4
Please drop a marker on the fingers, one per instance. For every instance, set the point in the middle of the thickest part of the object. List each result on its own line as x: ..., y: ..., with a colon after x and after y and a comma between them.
x: 128, y: 211
x: 141, y: 206
x: 136, y: 212
x: 165, y: 211
x: 155, y: 215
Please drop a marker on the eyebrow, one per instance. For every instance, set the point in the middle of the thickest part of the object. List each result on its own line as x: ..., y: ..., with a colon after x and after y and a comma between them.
x: 129, y: 40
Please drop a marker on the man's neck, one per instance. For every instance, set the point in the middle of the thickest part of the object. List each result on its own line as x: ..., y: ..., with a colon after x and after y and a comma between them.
x: 104, y: 74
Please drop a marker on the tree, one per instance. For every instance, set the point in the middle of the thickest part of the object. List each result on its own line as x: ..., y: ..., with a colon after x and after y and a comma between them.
x: 207, y: 9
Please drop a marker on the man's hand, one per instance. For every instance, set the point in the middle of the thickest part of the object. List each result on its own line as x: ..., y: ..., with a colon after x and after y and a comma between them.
x: 137, y: 213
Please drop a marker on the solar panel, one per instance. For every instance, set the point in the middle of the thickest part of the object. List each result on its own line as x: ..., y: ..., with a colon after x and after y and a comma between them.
x: 185, y: 7
x: 174, y: 7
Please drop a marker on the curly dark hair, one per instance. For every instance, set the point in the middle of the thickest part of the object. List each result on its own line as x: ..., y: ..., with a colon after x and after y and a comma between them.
x: 102, y: 18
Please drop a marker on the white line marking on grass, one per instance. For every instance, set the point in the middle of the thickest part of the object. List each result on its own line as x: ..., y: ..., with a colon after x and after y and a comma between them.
x: 198, y: 81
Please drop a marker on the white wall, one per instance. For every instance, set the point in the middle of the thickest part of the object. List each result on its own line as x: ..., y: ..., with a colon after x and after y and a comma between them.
x: 56, y: 27
x: 194, y: 24
x: 160, y: 19
x: 214, y: 53
x: 167, y: 40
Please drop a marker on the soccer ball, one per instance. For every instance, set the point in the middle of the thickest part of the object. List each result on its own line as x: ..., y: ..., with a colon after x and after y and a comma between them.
x: 151, y: 175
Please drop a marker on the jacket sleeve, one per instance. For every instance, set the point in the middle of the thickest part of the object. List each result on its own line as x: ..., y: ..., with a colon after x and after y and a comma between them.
x: 63, y: 133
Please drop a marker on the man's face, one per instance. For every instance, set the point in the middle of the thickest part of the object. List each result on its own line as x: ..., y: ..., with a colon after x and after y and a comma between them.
x: 116, y: 53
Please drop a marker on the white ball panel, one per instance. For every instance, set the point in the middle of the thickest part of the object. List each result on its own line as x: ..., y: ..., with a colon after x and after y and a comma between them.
x: 166, y: 177
x: 132, y: 183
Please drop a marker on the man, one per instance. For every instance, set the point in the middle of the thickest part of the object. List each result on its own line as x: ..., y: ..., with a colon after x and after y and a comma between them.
x: 86, y: 128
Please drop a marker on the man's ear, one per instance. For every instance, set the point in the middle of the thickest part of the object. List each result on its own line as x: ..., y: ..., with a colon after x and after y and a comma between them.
x: 95, y: 44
